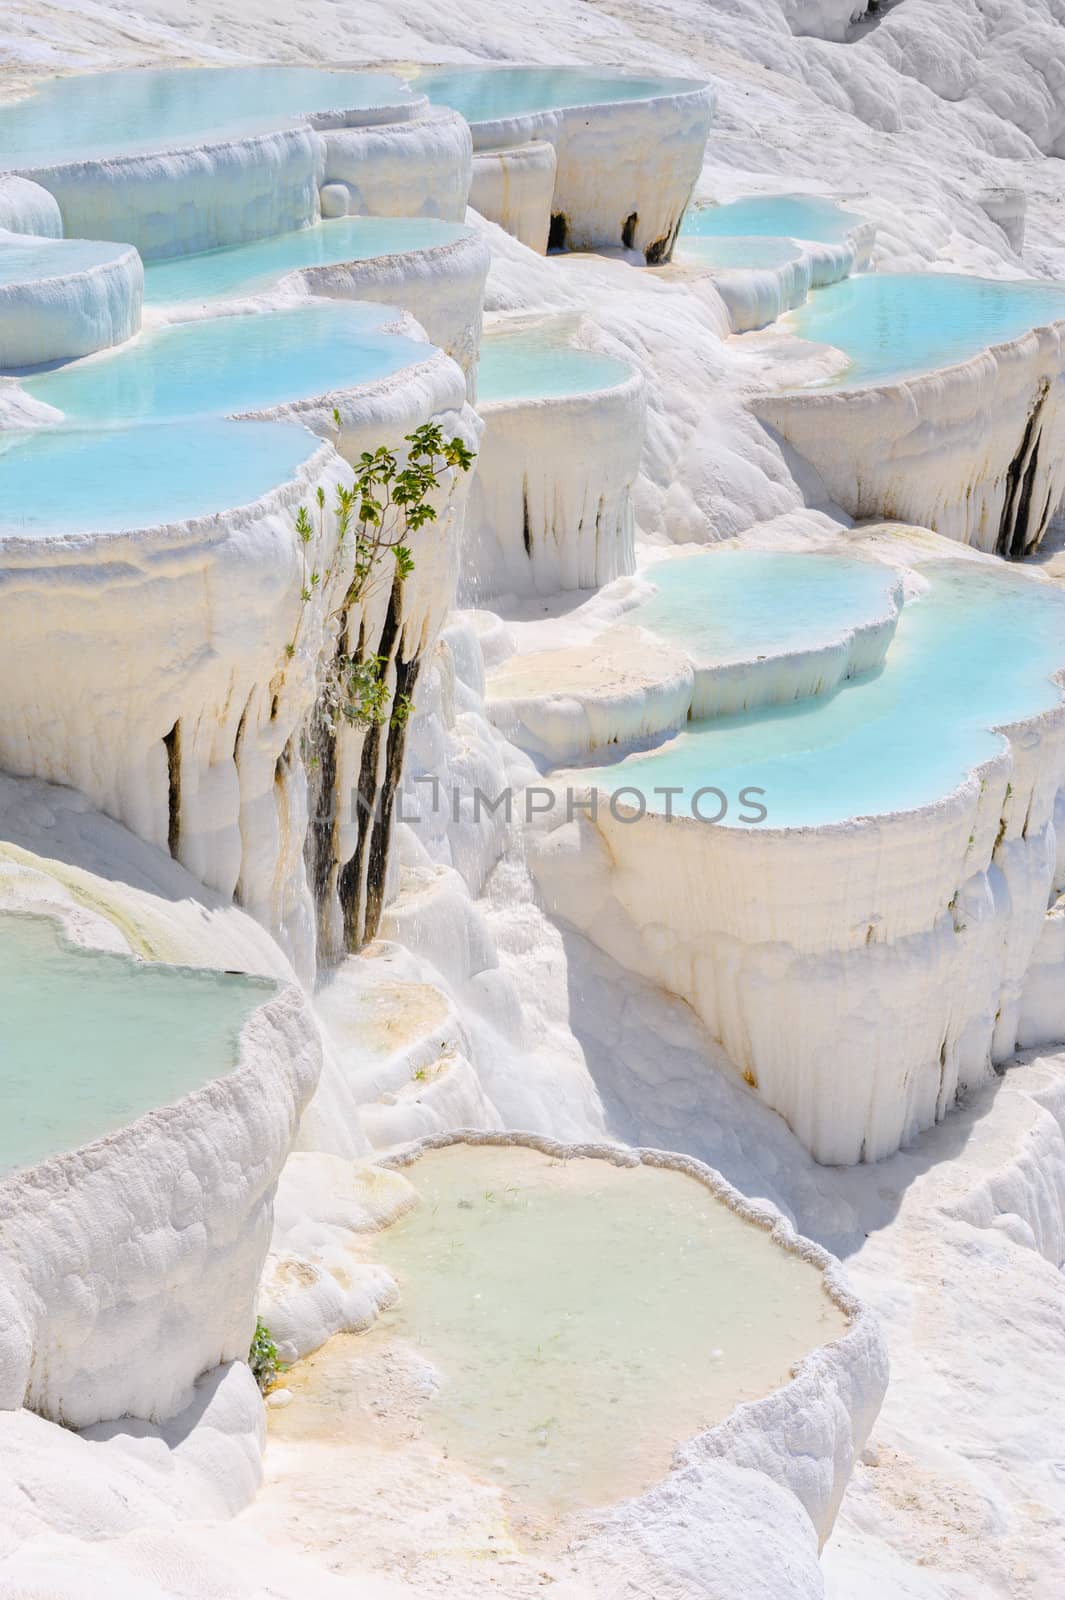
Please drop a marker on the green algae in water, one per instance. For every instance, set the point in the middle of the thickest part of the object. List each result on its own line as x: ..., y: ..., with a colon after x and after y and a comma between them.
x: 585, y: 1318
x: 93, y: 1040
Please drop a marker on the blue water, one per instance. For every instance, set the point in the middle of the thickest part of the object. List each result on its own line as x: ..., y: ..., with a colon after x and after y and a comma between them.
x: 56, y: 481
x: 894, y: 325
x: 536, y: 362
x: 23, y: 260
x: 94, y: 1040
x: 739, y: 604
x: 779, y: 216
x: 484, y: 94
x: 251, y: 268
x: 976, y: 651
x: 224, y: 365
x: 731, y: 254
x: 93, y: 115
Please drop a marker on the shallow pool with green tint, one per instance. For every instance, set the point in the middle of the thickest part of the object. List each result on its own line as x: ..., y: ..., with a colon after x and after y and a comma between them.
x: 56, y: 481
x: 739, y: 605
x: 252, y: 268
x: 976, y: 651
x: 225, y: 365
x: 91, y: 1041
x: 583, y: 1319
x: 486, y: 94
x: 89, y: 116
x: 893, y: 325
x: 537, y: 362
x: 780, y: 216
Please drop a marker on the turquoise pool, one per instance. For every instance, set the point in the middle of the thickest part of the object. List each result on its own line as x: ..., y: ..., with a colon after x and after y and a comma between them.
x: 778, y: 216
x: 224, y: 365
x: 24, y: 260
x: 736, y: 605
x: 93, y: 1041
x: 537, y: 362
x: 730, y: 254
x: 94, y: 115
x: 486, y: 94
x: 251, y: 268
x: 977, y: 650
x: 893, y: 325
x: 56, y: 481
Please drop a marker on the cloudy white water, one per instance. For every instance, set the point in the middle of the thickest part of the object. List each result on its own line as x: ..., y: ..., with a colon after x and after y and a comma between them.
x: 481, y: 1008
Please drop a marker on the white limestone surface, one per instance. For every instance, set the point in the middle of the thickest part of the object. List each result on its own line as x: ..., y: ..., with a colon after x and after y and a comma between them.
x: 758, y: 294
x: 975, y: 451
x: 442, y: 286
x: 625, y: 169
x: 94, y: 686
x: 62, y: 298
x: 97, y: 675
x: 551, y: 502
x: 27, y: 208
x: 182, y: 1197
x: 866, y: 920
x: 515, y: 188
x: 1042, y: 1009
x: 171, y: 203
x: 1008, y: 207
x: 418, y: 167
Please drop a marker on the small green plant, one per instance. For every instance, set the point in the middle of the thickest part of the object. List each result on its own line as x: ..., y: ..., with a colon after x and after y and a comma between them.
x: 263, y: 1358
x: 385, y: 504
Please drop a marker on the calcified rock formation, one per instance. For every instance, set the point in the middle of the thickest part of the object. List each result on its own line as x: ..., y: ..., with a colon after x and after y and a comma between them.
x: 61, y: 298
x: 472, y: 1006
x: 974, y: 451
x: 515, y: 187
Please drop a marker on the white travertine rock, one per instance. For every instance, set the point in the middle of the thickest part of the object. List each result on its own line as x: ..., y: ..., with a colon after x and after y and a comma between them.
x: 824, y: 19
x: 1009, y: 208
x: 598, y: 678
x: 1042, y: 1010
x: 98, y: 673
x: 626, y: 171
x: 442, y: 286
x: 420, y: 167
x: 27, y: 208
x: 76, y: 298
x: 975, y: 451
x: 757, y: 295
x: 92, y: 689
x: 560, y: 704
x: 550, y: 506
x: 177, y: 202
x: 131, y: 1264
x: 515, y: 187
x: 864, y: 921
